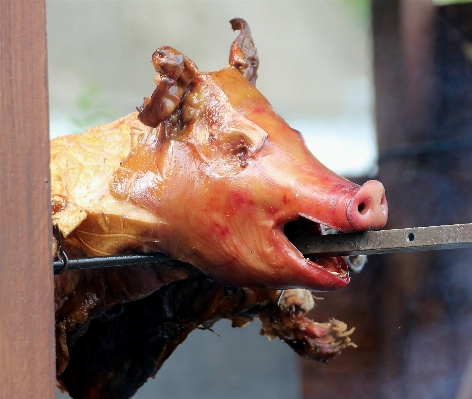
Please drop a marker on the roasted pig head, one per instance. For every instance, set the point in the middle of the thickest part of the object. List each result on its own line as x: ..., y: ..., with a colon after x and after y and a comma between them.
x: 211, y: 175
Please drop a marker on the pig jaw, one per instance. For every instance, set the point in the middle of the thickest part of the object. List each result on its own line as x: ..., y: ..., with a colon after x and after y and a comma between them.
x: 266, y: 256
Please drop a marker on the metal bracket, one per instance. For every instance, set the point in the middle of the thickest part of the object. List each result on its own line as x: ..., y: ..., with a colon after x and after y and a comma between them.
x: 62, y: 263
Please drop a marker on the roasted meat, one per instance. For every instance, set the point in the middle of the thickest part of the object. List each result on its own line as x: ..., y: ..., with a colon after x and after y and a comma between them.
x: 209, y: 174
x: 128, y: 343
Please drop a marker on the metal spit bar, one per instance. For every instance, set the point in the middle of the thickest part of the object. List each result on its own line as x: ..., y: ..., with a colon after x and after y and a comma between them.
x: 366, y: 243
x: 388, y: 241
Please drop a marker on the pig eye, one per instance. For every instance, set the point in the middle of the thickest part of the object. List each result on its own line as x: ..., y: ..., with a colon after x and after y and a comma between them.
x: 242, y: 152
x: 248, y: 133
x: 237, y: 148
x: 243, y: 141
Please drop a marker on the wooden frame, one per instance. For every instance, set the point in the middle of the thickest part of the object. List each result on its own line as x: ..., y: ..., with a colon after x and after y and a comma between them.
x: 27, y: 358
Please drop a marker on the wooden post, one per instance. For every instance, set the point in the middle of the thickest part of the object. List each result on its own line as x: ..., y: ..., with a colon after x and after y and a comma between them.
x: 27, y: 359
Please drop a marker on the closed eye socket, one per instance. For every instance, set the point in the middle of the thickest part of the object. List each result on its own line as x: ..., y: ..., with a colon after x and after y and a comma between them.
x: 249, y: 133
x: 236, y: 145
x: 243, y: 140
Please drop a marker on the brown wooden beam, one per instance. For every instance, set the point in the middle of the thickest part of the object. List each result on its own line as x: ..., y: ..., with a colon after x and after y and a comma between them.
x: 27, y: 359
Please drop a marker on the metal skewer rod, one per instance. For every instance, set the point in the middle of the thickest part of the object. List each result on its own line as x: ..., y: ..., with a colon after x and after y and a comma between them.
x: 388, y: 241
x: 108, y: 261
x: 366, y: 243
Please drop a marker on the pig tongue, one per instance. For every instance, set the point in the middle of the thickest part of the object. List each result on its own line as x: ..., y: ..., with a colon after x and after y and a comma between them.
x: 335, y: 265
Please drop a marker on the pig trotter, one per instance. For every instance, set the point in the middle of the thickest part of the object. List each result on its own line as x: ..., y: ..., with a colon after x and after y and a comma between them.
x: 311, y: 340
x: 243, y: 53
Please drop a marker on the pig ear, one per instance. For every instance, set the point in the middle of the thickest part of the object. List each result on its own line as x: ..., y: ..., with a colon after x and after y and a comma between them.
x: 243, y: 53
x: 175, y: 71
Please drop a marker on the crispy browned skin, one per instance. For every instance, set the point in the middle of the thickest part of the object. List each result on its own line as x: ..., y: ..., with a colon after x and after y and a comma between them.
x: 208, y: 173
x: 212, y: 180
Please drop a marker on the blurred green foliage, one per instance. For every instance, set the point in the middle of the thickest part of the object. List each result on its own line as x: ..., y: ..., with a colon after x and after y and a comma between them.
x: 360, y: 10
x: 92, y: 109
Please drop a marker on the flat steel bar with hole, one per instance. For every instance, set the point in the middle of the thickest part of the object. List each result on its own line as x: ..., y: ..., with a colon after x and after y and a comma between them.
x: 388, y: 241
x: 366, y: 243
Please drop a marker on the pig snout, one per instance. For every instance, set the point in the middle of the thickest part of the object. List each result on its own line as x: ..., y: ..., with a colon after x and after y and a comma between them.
x: 368, y: 209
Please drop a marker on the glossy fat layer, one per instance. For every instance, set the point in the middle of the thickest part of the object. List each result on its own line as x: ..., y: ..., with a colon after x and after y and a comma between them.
x: 82, y: 166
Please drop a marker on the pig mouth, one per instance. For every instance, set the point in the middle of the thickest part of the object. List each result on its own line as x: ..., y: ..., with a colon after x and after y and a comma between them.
x: 300, y: 227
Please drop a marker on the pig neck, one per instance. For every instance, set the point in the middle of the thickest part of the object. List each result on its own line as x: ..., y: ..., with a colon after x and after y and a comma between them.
x: 82, y: 167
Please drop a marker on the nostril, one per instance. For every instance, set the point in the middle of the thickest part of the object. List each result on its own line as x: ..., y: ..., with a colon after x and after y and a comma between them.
x: 368, y: 209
